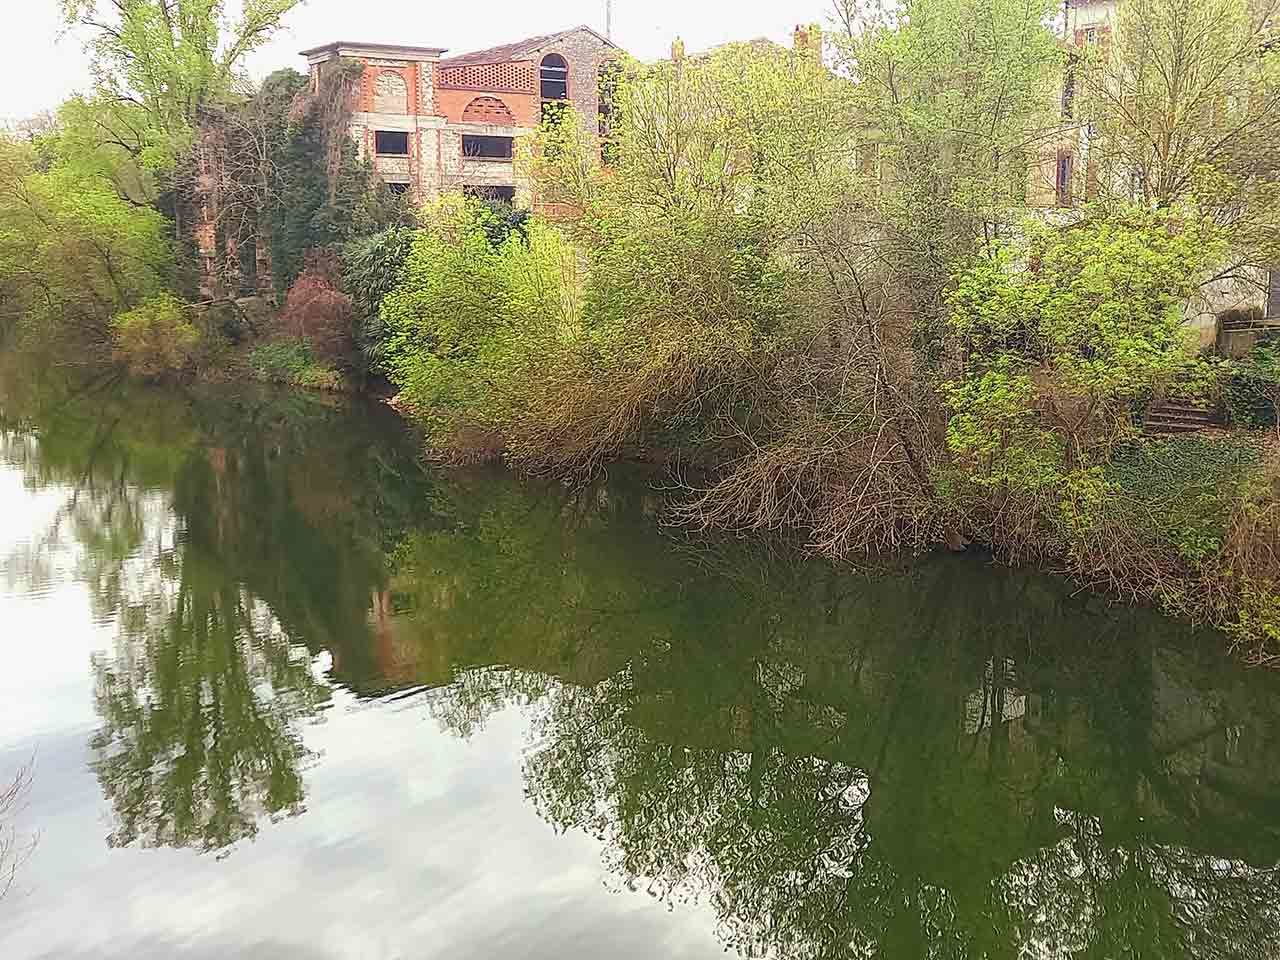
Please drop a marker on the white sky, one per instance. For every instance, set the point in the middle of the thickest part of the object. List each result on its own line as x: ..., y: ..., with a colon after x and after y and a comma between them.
x: 39, y: 67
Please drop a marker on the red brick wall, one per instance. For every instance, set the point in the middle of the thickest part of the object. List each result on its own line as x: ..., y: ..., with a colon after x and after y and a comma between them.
x: 524, y: 107
x: 369, y: 80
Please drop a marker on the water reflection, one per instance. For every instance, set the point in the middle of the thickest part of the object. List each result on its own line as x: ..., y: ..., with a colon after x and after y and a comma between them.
x: 954, y: 762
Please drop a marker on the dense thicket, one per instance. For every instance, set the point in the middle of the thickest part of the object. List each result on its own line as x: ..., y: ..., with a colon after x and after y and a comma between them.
x: 826, y: 289
x: 101, y: 204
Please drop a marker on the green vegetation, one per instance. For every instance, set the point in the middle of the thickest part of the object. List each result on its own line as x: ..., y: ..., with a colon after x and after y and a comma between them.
x: 100, y: 204
x: 828, y: 291
x: 818, y: 276
x: 292, y: 362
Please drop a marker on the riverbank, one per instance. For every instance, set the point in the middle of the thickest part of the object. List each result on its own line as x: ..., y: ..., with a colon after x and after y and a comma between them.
x: 1182, y: 521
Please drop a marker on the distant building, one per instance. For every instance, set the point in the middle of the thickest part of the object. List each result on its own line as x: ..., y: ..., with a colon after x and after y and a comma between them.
x: 431, y: 123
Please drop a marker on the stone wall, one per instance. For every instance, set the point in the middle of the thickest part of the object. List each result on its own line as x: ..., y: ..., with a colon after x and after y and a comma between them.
x: 586, y: 54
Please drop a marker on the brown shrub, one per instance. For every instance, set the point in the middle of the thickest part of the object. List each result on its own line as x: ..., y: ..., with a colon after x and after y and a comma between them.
x: 317, y: 311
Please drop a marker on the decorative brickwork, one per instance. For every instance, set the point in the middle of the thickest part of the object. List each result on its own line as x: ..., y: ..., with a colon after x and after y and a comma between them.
x: 488, y: 110
x: 515, y: 77
x: 390, y: 93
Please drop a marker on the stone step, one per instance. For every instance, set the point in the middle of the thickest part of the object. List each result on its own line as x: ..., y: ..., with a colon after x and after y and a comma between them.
x: 1178, y: 417
x: 1157, y: 426
x: 1200, y: 416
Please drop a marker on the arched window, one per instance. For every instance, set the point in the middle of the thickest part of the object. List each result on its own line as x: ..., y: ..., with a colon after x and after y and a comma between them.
x: 488, y: 110
x: 554, y: 74
x: 390, y: 93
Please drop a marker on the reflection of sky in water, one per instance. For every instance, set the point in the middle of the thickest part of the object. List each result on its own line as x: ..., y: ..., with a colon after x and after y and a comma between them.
x: 413, y: 844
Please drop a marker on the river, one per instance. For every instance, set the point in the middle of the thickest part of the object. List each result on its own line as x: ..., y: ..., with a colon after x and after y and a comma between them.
x: 283, y: 691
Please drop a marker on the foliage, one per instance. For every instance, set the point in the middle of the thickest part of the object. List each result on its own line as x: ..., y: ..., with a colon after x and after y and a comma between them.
x: 952, y: 97
x: 1096, y: 311
x: 317, y: 312
x: 470, y: 323
x: 1184, y: 99
x: 1183, y: 489
x: 1253, y: 389
x: 371, y: 268
x: 73, y: 253
x: 155, y: 338
x: 292, y: 362
x: 995, y: 436
x: 171, y: 57
x: 321, y: 194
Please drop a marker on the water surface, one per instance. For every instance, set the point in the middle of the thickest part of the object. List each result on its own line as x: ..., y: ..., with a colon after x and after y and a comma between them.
x: 288, y: 693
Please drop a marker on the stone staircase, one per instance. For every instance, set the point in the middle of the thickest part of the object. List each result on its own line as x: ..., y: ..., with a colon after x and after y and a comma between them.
x: 1173, y: 416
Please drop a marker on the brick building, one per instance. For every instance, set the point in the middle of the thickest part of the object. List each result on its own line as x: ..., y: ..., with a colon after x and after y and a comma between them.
x: 431, y: 123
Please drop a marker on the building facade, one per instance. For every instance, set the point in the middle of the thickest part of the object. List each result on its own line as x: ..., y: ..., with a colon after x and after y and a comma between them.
x: 432, y: 124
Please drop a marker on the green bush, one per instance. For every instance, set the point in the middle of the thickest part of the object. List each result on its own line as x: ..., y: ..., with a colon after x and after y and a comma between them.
x: 291, y: 361
x: 371, y: 267
x: 155, y: 338
x: 474, y: 329
x: 1254, y: 388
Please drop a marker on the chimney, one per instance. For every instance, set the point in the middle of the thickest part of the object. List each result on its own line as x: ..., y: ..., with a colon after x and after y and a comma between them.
x: 807, y: 39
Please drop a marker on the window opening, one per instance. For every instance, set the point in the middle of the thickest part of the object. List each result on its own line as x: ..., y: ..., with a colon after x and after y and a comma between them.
x: 391, y: 143
x: 475, y: 147
x: 554, y: 74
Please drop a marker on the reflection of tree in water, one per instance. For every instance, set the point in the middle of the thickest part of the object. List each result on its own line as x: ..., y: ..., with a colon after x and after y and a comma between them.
x: 199, y: 709
x: 952, y: 765
x: 214, y: 532
x: 787, y: 848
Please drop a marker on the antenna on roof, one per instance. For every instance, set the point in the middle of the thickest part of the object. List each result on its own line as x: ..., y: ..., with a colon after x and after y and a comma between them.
x: 608, y: 19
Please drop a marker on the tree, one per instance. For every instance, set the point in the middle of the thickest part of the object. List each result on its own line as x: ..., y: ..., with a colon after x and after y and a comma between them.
x: 73, y: 252
x: 157, y: 64
x: 170, y: 58
x: 1182, y: 104
x: 1096, y: 313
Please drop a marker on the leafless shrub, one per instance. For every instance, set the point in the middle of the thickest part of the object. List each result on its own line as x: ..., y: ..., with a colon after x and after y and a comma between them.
x: 15, y: 847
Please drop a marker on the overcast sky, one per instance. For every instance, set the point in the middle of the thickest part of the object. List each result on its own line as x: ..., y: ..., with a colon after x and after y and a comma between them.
x: 39, y: 67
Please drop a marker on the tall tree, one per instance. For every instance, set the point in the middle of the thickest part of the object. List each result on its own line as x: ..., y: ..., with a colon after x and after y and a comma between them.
x: 171, y: 57
x: 1182, y: 103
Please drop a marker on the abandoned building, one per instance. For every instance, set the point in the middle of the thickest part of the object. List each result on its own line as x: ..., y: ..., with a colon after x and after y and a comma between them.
x: 432, y: 124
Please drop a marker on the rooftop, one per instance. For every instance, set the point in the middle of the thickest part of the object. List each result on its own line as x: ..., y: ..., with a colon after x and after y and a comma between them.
x: 391, y: 49
x: 519, y: 50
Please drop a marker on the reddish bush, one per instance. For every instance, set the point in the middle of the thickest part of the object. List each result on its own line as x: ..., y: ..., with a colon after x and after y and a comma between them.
x: 316, y: 310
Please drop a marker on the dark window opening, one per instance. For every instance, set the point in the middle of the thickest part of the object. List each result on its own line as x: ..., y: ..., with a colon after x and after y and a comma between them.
x: 1273, y: 294
x: 1063, y: 179
x: 1069, y: 96
x: 554, y: 74
x: 487, y: 148
x: 398, y: 189
x: 486, y: 192
x: 247, y: 252
x: 391, y: 143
